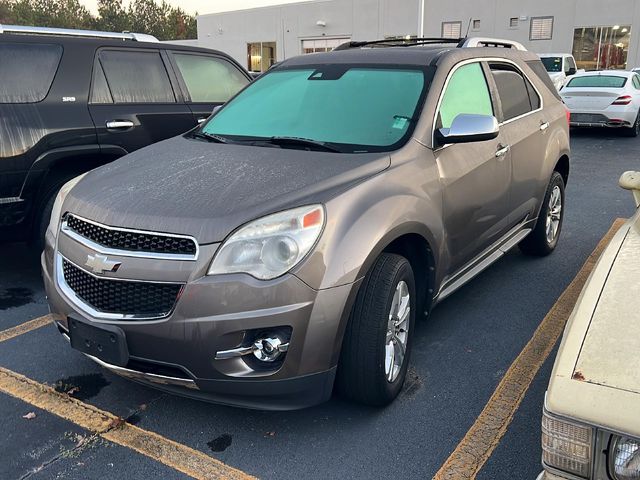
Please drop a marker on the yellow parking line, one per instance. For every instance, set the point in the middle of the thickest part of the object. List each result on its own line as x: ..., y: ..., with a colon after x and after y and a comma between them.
x: 177, y: 456
x: 26, y: 327
x: 484, y: 435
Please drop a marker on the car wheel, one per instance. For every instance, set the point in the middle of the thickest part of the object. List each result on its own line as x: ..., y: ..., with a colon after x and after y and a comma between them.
x: 43, y: 217
x: 377, y: 344
x: 544, y: 237
x: 633, y: 131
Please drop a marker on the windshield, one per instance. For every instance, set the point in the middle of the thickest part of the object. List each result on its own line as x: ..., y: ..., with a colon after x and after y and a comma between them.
x: 598, y: 81
x: 355, y: 109
x: 552, y: 64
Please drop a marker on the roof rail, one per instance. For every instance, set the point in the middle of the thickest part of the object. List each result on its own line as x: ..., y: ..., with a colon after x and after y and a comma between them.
x: 136, y: 37
x: 398, y: 42
x: 491, y: 42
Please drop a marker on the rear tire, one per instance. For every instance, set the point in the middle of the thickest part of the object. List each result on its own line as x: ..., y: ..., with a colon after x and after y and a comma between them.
x: 634, y: 130
x: 377, y: 343
x: 543, y: 239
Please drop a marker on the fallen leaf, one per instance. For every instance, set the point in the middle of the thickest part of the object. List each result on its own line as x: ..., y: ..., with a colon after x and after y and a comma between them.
x: 29, y: 416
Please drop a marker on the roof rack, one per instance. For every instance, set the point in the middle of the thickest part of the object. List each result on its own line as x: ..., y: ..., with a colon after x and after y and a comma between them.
x: 136, y: 37
x: 398, y: 42
x: 491, y: 42
x: 411, y: 42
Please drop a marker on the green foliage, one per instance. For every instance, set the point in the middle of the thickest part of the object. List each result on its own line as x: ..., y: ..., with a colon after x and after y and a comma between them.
x: 143, y: 16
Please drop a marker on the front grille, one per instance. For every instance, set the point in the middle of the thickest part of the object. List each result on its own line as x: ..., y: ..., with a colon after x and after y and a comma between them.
x: 144, y: 299
x: 122, y: 239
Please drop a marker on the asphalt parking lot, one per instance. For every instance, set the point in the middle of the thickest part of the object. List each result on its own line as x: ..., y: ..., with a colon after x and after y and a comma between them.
x: 461, y: 354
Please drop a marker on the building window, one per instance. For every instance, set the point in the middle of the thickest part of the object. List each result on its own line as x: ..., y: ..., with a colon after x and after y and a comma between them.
x: 476, y: 24
x: 513, y: 22
x: 601, y: 48
x: 541, y: 28
x: 451, y: 29
x: 315, y: 45
x: 260, y: 56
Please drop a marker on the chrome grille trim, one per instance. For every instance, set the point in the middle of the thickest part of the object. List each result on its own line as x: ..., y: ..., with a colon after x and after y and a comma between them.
x: 102, y: 249
x: 87, y: 309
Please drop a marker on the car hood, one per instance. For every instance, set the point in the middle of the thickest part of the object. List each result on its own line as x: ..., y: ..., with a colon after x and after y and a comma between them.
x: 207, y: 190
x: 595, y: 377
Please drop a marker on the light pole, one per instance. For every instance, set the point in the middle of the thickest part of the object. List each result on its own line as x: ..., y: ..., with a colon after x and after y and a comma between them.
x: 421, y: 20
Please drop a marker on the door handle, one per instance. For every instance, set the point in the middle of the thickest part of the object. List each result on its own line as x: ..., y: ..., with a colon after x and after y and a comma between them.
x: 119, y: 124
x: 502, y: 150
x: 544, y: 126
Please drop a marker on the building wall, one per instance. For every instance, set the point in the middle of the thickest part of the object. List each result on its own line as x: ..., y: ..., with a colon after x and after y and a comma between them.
x: 288, y: 25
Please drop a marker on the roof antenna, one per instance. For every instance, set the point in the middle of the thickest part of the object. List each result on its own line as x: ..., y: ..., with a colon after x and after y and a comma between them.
x: 468, y: 28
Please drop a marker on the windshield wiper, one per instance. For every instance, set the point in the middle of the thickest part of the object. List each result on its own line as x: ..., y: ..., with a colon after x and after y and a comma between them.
x: 211, y: 137
x: 304, y: 142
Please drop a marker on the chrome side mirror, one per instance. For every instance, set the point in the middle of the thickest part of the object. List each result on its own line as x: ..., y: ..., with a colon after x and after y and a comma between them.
x: 467, y: 128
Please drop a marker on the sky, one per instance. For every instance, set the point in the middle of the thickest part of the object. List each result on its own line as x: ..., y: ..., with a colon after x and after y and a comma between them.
x: 205, y: 6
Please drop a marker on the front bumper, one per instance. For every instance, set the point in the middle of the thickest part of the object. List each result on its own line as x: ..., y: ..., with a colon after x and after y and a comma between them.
x: 213, y: 314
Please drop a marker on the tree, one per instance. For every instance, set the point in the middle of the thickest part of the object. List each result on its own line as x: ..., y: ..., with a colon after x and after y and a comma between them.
x: 142, y: 16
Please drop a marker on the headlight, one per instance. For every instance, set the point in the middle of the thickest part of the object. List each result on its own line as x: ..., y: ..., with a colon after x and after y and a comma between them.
x: 625, y: 460
x: 566, y: 446
x: 270, y: 246
x: 56, y: 212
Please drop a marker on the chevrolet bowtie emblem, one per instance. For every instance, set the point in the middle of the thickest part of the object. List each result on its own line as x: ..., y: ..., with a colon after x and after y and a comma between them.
x: 101, y: 263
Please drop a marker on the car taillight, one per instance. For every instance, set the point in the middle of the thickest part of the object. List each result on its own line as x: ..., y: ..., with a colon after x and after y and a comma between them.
x: 623, y: 100
x: 568, y: 113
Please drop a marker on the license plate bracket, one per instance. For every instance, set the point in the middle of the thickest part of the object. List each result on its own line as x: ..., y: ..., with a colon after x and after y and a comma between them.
x: 105, y: 342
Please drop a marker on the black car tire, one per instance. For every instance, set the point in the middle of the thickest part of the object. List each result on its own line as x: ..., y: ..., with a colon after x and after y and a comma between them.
x: 43, y: 217
x: 537, y: 242
x: 634, y: 130
x: 361, y: 371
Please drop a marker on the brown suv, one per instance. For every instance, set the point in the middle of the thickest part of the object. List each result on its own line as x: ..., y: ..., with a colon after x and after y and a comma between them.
x: 293, y: 238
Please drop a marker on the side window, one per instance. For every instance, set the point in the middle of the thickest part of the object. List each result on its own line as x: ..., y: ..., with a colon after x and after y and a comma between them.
x: 569, y: 64
x: 209, y: 79
x: 27, y: 71
x: 100, y: 92
x: 467, y: 92
x: 136, y: 77
x: 636, y: 82
x: 517, y: 95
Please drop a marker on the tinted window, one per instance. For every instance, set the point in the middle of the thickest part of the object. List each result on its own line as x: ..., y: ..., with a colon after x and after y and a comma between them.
x: 27, y: 71
x: 542, y: 74
x: 100, y: 90
x: 552, y: 64
x: 357, y: 109
x: 636, y: 82
x: 209, y: 79
x: 467, y: 92
x: 598, y: 81
x: 513, y: 91
x: 137, y: 77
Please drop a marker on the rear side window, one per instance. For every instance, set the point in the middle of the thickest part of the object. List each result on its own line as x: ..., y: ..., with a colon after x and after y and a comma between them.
x: 27, y: 71
x: 517, y: 96
x: 598, y: 81
x: 467, y: 92
x: 209, y: 79
x: 135, y: 77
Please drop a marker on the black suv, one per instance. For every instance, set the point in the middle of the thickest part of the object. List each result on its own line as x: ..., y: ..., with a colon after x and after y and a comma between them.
x: 72, y: 100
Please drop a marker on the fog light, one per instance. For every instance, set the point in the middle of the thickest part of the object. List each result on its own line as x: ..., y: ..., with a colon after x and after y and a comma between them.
x: 625, y: 461
x: 269, y: 349
x: 566, y: 446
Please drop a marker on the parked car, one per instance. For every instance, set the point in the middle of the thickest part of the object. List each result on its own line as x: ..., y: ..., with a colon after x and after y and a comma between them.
x: 590, y: 425
x: 560, y: 66
x: 604, y: 99
x: 73, y: 100
x: 295, y: 237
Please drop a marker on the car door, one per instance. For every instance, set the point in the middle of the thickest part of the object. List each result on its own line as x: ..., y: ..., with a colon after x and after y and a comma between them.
x: 206, y: 81
x: 475, y: 176
x: 133, y: 103
x: 524, y: 126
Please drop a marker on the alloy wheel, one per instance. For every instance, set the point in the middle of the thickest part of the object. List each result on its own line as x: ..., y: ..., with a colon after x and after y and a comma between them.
x: 554, y: 214
x: 397, y: 331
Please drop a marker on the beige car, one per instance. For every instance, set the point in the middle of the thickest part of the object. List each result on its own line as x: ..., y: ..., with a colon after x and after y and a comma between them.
x: 591, y: 420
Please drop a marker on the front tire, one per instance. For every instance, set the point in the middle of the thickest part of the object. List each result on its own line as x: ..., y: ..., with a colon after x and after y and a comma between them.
x: 377, y: 343
x: 543, y: 239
